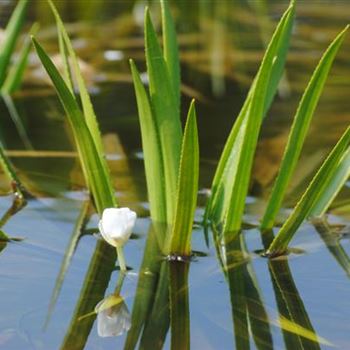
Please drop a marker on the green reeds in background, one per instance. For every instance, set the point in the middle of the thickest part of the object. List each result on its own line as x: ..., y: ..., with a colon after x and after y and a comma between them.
x: 10, y: 82
x: 171, y: 170
x: 15, y: 73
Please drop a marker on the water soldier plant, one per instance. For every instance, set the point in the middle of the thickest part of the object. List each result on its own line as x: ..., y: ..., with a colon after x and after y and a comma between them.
x: 161, y: 134
x: 172, y: 156
x: 171, y: 160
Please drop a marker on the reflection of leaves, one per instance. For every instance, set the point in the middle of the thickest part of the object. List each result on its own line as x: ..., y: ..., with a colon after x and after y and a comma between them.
x: 72, y: 245
x: 149, y: 292
x: 179, y: 305
x: 158, y: 320
x: 248, y: 310
x: 294, y: 328
x: 94, y: 287
x: 331, y: 240
x: 291, y: 308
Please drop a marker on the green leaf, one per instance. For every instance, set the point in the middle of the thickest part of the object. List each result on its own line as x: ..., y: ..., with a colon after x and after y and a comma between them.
x: 340, y: 176
x: 11, y: 35
x: 180, y: 237
x: 88, y: 111
x: 299, y: 130
x: 151, y: 149
x: 166, y: 112
x: 170, y: 48
x: 93, y: 167
x: 249, y: 132
x: 15, y: 75
x: 222, y: 184
x: 67, y: 73
x: 318, y: 186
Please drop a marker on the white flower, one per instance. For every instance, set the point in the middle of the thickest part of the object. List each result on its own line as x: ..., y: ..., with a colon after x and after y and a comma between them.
x: 116, y: 225
x: 113, y: 316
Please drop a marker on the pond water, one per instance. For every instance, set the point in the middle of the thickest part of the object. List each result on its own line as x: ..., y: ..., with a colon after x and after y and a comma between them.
x: 53, y: 278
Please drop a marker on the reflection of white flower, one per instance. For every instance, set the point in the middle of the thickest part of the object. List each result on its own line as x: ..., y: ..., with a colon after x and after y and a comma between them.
x: 116, y: 225
x: 113, y: 317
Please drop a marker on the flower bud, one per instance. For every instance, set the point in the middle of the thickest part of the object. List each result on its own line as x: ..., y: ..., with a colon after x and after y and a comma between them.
x: 116, y: 225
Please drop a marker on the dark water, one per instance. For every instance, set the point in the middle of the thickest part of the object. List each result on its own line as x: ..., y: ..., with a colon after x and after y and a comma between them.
x: 52, y: 280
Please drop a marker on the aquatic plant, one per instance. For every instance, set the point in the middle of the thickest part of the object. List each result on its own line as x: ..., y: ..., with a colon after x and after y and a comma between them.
x: 231, y: 181
x: 82, y: 120
x: 161, y: 134
x: 171, y: 169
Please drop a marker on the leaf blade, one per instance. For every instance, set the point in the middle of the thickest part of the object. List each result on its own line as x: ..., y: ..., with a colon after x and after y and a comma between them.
x: 180, y: 239
x: 88, y: 110
x: 302, y: 210
x: 166, y: 113
x: 299, y: 130
x: 170, y: 48
x: 254, y: 115
x: 90, y: 159
x: 151, y: 149
x: 221, y: 185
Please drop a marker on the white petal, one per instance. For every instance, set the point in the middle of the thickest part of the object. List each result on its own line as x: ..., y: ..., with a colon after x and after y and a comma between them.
x: 106, y: 237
